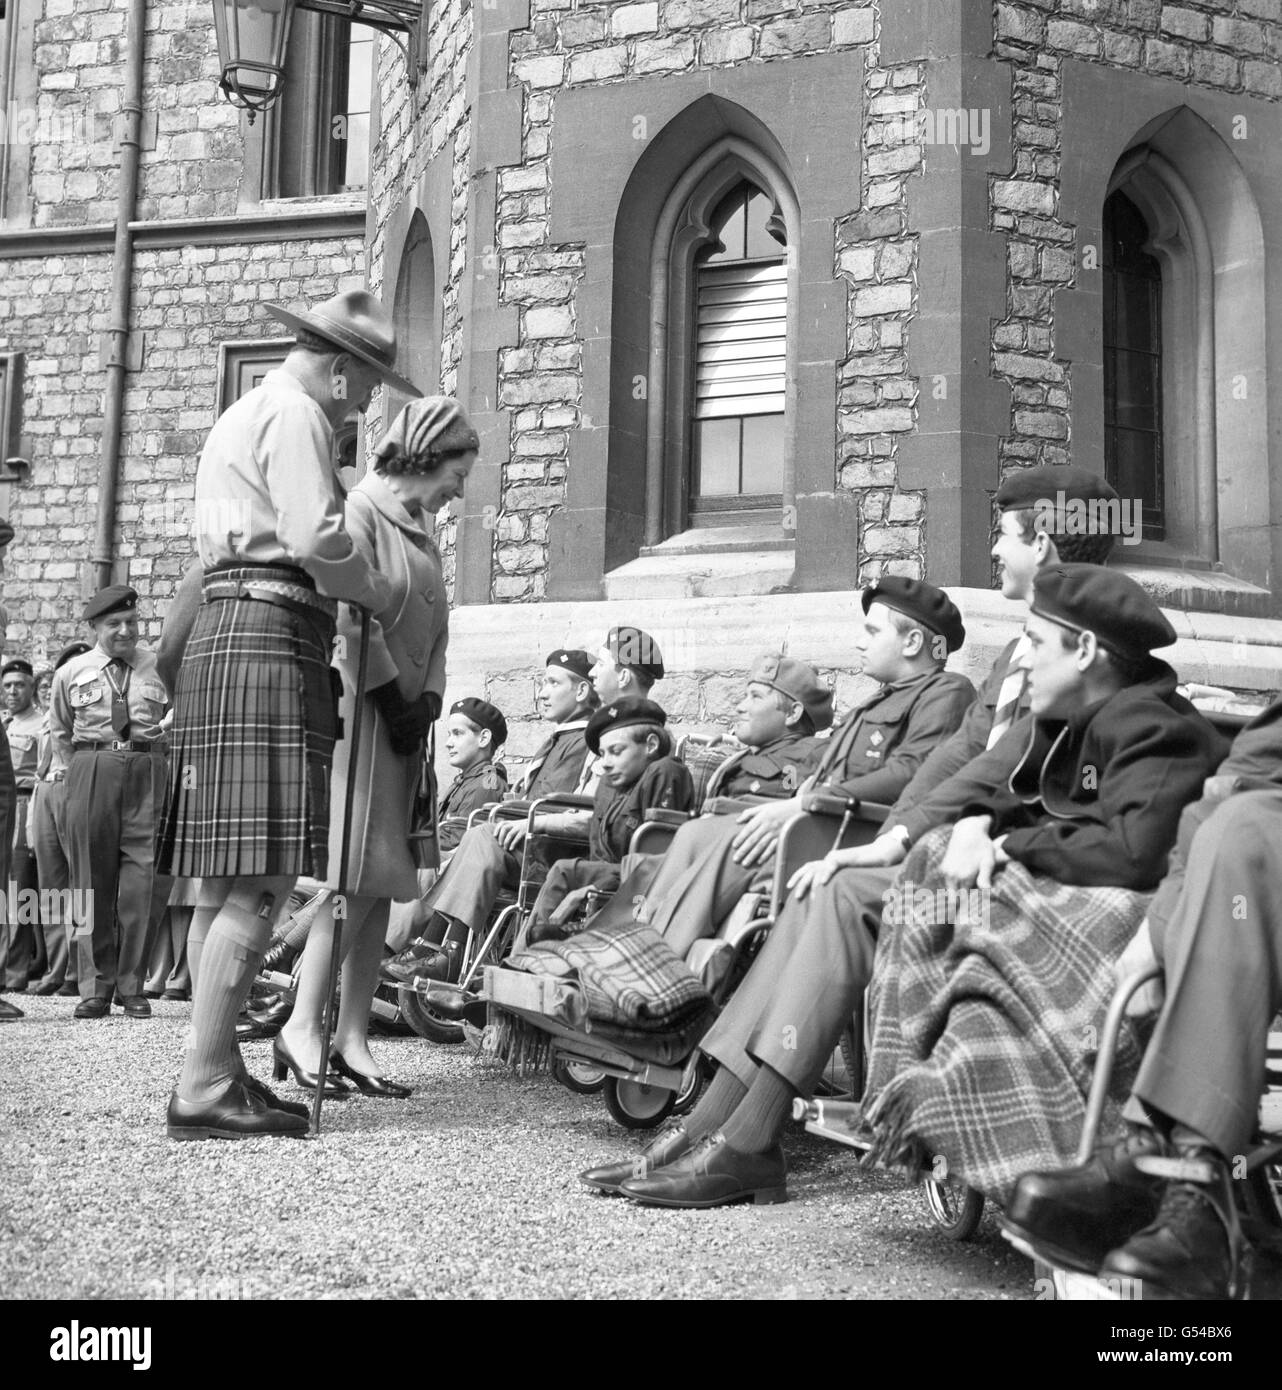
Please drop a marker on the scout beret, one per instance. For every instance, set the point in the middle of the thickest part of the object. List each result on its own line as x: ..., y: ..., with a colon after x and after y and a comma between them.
x: 24, y: 668
x: 1090, y: 598
x: 921, y: 601
x: 115, y: 598
x: 619, y: 715
x: 1034, y: 487
x: 70, y: 650
x: 483, y: 715
x: 637, y: 650
x: 6, y: 533
x: 570, y: 659
x: 798, y: 682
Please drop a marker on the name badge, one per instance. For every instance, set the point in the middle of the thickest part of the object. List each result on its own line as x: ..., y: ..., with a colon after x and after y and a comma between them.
x: 86, y: 692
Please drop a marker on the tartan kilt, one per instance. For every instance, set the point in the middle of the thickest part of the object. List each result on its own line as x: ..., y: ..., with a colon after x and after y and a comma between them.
x: 256, y: 718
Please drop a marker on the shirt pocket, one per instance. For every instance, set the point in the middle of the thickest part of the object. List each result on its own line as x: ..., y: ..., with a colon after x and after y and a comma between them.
x: 87, y: 693
x: 23, y: 743
x: 155, y: 694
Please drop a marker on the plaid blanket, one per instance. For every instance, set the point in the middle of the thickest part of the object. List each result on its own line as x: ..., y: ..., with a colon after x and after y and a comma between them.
x: 985, y: 1029
x: 629, y: 975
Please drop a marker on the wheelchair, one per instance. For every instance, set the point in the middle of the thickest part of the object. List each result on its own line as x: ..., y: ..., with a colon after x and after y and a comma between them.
x: 1259, y: 1195
x: 646, y: 1081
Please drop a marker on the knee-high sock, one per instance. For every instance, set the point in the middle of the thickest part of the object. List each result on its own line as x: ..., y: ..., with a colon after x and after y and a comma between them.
x: 229, y: 960
x: 202, y: 918
x: 719, y: 1101
x: 759, y: 1118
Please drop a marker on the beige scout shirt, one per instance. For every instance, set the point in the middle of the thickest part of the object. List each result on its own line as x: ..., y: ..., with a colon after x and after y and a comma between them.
x: 267, y: 493
x: 80, y: 702
x: 24, y: 746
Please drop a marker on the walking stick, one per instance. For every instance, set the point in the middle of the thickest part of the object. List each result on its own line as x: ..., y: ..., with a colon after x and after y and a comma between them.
x: 344, y: 854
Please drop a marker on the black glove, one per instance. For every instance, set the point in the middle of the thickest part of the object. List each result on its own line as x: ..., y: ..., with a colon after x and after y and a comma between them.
x: 433, y: 706
x: 407, y: 720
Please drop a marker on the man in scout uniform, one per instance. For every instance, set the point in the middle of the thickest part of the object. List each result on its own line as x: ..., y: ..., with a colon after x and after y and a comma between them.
x: 629, y: 663
x: 104, y: 719
x: 23, y: 720
x: 475, y: 731
x: 487, y: 858
x: 909, y: 630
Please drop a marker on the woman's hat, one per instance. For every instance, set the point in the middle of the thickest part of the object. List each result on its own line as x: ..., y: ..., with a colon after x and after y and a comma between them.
x: 354, y: 322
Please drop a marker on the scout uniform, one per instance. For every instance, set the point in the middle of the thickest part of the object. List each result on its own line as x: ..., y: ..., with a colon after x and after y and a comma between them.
x: 482, y: 784
x: 664, y: 784
x: 104, y: 720
x: 23, y: 733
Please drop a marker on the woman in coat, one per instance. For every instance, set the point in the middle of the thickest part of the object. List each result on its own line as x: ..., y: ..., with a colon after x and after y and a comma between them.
x: 421, y: 464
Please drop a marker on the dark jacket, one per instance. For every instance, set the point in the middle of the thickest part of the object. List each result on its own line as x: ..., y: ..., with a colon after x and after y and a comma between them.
x: 481, y: 785
x: 772, y: 771
x: 874, y: 755
x: 664, y: 784
x: 1096, y: 799
x: 558, y: 763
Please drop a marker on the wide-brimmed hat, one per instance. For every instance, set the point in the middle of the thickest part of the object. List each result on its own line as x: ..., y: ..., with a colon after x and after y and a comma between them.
x: 354, y: 322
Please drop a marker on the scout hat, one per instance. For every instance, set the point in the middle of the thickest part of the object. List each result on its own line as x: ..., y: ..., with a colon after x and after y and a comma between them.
x: 484, y: 716
x: 920, y: 601
x: 1089, y: 598
x: 115, y: 598
x: 798, y: 682
x: 70, y: 650
x: 354, y: 322
x: 578, y: 663
x: 23, y: 668
x: 636, y: 650
x: 620, y: 714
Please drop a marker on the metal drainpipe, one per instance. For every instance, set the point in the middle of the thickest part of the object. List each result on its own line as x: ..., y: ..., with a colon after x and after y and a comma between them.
x: 122, y: 280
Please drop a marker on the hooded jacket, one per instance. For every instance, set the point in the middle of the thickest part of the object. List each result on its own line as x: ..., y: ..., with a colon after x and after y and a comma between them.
x: 1096, y: 799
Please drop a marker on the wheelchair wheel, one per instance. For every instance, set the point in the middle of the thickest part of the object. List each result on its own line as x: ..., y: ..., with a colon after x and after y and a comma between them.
x: 636, y: 1106
x: 578, y: 1077
x: 955, y: 1208
x: 424, y: 1020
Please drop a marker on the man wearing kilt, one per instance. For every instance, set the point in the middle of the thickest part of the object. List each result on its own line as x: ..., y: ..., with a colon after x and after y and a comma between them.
x: 256, y: 705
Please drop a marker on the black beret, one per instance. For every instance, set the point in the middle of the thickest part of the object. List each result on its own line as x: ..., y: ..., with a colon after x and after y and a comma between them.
x: 621, y: 713
x: 1090, y: 598
x: 798, y: 682
x: 483, y: 715
x: 70, y: 650
x: 631, y: 647
x: 6, y: 533
x: 921, y: 601
x: 1036, y: 488
x: 571, y: 659
x: 115, y: 598
x: 24, y: 668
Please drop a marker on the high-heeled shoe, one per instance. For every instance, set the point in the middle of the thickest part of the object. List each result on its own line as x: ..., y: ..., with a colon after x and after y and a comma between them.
x: 369, y: 1085
x: 283, y: 1062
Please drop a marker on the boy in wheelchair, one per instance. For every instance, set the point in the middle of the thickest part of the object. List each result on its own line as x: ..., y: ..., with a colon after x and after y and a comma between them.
x: 638, y: 774
x: 1215, y: 926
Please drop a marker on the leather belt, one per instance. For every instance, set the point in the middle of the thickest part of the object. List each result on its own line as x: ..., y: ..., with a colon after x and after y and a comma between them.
x: 312, y: 612
x: 130, y: 745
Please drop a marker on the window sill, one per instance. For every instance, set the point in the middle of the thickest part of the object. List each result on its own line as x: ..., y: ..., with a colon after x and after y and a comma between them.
x: 711, y: 562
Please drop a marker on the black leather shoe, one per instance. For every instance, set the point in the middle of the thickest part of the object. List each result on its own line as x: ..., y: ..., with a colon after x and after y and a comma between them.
x: 236, y: 1114
x: 45, y: 987
x: 283, y: 1063
x: 666, y: 1147
x: 272, y: 1018
x: 452, y: 1002
x: 9, y: 1011
x: 271, y: 1099
x: 69, y: 990
x: 280, y: 957
x: 1193, y: 1249
x: 135, y: 1006
x: 93, y: 1008
x: 1074, y: 1217
x: 712, y: 1174
x: 369, y: 1085
x: 151, y: 994
x: 180, y: 996
x: 412, y: 962
x: 249, y: 1031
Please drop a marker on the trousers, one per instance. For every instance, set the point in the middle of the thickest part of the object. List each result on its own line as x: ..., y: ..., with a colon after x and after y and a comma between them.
x: 1222, y: 953
x: 479, y: 870
x: 113, y: 806
x: 802, y: 989
x: 48, y: 839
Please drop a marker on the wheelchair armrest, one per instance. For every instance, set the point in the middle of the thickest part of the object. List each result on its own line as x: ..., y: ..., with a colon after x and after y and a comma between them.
x: 561, y: 801
x: 661, y: 815
x: 505, y: 810
x: 829, y: 804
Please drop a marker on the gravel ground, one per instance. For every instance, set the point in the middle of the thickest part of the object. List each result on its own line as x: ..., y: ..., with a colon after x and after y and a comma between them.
x: 467, y: 1190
